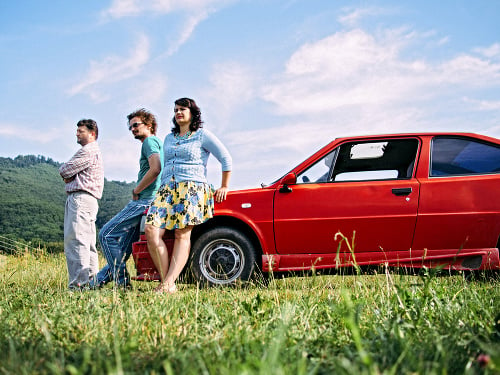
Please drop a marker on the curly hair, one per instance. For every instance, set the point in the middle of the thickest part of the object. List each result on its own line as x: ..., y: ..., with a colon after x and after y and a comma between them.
x: 90, y: 125
x: 146, y: 117
x: 196, y: 121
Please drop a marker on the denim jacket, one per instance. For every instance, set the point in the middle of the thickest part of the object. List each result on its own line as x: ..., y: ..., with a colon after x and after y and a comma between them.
x: 185, y: 159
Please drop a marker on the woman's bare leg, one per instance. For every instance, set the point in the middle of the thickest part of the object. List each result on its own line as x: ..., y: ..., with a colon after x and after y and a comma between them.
x: 157, y: 249
x: 180, y: 256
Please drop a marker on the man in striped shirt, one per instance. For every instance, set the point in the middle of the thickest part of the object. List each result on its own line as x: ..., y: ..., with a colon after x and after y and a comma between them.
x: 84, y: 178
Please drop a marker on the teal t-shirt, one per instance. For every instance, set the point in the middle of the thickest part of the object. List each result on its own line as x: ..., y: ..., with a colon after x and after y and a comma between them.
x: 151, y: 145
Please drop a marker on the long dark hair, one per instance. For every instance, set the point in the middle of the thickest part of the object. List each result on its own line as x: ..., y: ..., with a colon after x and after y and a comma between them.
x: 196, y: 121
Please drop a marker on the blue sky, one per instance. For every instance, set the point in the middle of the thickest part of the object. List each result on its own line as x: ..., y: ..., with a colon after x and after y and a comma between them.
x: 276, y: 80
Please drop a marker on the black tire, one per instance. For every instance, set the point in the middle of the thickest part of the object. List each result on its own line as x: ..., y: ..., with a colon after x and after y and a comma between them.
x: 222, y: 256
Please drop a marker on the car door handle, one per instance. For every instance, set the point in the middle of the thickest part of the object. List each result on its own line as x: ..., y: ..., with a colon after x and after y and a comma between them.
x: 401, y: 191
x: 285, y: 189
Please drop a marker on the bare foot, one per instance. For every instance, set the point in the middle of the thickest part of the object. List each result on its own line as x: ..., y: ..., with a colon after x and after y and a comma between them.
x: 166, y: 288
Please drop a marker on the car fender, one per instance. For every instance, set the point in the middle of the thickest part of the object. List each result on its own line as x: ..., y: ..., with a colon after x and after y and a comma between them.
x: 251, y: 209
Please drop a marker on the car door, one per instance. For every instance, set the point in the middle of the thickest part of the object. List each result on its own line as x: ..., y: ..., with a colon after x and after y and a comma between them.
x: 362, y: 189
x: 460, y: 208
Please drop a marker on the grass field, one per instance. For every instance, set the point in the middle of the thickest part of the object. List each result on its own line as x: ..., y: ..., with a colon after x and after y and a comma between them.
x: 383, y: 322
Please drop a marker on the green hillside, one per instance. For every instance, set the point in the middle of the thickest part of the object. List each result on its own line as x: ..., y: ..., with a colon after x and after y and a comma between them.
x: 32, y: 199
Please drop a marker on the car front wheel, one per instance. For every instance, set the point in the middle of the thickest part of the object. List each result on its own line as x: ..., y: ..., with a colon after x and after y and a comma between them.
x: 222, y: 256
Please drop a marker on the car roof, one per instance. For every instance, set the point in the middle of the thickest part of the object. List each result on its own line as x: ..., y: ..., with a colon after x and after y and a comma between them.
x: 420, y: 134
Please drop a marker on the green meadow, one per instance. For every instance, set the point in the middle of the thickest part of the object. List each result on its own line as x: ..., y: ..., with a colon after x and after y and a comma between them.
x: 381, y: 322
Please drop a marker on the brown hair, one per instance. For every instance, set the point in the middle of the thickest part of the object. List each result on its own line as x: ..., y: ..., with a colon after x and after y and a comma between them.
x: 89, y: 124
x: 146, y: 117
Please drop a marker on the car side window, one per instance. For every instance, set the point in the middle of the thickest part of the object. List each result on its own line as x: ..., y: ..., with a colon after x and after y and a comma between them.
x: 458, y: 156
x: 364, y: 161
x: 319, y: 171
x: 376, y: 160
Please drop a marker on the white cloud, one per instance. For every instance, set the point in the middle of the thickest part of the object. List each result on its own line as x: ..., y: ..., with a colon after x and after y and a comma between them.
x: 443, y: 41
x: 492, y: 51
x: 121, y: 157
x: 9, y: 130
x: 353, y: 83
x: 42, y: 135
x: 188, y: 29
x: 352, y: 17
x: 484, y: 105
x: 343, y: 53
x: 471, y: 71
x: 347, y: 68
x: 232, y: 85
x: 354, y: 68
x: 195, y: 11
x: 128, y: 8
x: 258, y: 149
x: 113, y: 69
x: 147, y: 91
x: 122, y: 8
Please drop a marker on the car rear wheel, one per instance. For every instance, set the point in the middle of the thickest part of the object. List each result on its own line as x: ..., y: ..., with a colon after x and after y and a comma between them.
x: 222, y: 256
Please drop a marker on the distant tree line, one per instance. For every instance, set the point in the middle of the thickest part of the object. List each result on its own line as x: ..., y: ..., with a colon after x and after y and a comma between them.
x: 32, y: 200
x: 22, y: 161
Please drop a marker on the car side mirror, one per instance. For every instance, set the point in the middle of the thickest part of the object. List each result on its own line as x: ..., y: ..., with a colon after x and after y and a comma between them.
x: 289, y: 179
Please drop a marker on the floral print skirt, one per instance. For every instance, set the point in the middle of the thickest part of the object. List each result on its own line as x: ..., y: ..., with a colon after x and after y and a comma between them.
x: 180, y: 204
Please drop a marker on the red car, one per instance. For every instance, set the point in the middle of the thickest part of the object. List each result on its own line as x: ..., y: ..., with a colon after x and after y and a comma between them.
x: 405, y: 200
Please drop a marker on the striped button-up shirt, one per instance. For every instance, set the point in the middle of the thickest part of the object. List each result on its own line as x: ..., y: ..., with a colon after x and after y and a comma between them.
x: 87, y: 169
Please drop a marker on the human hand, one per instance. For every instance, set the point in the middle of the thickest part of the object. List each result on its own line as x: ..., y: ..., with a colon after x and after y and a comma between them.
x: 135, y: 196
x: 221, y: 194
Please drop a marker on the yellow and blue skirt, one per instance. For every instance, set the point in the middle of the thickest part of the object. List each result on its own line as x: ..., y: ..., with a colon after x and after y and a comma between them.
x: 180, y: 204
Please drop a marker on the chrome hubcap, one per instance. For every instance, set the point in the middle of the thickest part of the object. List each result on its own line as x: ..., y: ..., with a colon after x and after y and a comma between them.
x: 221, y: 261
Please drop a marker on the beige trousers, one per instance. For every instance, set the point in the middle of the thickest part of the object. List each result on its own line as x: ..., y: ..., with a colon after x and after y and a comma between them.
x: 80, y: 239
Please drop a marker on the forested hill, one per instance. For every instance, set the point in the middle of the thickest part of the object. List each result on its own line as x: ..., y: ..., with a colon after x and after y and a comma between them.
x: 32, y: 199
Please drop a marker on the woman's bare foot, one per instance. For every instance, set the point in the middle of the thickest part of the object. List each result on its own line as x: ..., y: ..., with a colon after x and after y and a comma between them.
x: 166, y: 288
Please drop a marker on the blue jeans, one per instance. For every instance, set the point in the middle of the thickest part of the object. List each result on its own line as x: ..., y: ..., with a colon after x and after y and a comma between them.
x: 116, y: 238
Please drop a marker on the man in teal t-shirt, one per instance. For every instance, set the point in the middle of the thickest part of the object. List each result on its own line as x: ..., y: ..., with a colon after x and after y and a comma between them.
x: 118, y: 234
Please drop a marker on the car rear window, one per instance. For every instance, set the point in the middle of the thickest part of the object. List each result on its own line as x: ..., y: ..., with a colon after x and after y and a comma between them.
x: 452, y: 156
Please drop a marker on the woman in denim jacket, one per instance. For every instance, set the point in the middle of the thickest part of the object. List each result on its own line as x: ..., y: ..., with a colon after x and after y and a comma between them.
x: 185, y: 198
